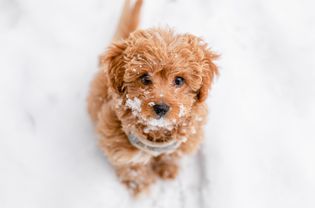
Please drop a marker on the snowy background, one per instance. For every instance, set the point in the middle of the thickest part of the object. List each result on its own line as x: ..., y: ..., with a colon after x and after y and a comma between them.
x: 259, y: 149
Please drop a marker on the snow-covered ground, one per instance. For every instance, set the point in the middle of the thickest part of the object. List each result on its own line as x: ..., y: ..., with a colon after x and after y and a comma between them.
x: 259, y: 149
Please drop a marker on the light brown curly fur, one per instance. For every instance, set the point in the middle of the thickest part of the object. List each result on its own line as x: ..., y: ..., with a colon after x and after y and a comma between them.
x: 163, y: 55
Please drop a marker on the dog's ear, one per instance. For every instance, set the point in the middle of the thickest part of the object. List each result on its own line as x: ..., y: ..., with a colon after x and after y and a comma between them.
x: 210, y: 70
x: 113, y: 61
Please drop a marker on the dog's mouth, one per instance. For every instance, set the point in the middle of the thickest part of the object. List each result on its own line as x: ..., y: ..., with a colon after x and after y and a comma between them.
x: 159, y: 140
x: 159, y: 134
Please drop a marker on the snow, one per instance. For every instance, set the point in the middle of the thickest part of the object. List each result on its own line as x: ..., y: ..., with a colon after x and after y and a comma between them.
x: 153, y: 124
x: 259, y: 142
x: 182, y: 110
x: 119, y: 102
x: 151, y: 104
x: 184, y: 139
x: 134, y: 104
x: 161, y: 122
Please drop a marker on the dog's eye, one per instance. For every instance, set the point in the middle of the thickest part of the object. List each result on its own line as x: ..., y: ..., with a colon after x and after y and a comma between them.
x: 179, y: 81
x: 145, y: 79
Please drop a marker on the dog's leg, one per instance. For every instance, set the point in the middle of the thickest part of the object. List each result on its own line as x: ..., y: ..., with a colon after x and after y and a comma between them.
x: 132, y: 165
x: 137, y: 177
x: 166, y: 166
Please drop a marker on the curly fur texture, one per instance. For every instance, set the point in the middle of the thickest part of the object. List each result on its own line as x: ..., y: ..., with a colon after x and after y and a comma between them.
x: 120, y: 104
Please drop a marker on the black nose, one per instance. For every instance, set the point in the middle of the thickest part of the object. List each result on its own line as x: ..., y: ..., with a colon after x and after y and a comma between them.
x: 161, y: 109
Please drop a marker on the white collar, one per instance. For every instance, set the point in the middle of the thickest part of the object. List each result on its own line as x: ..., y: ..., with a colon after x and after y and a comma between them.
x: 152, y: 148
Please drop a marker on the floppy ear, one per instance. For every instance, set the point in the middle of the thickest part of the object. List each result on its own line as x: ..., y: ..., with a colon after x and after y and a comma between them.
x: 113, y: 61
x: 209, y: 71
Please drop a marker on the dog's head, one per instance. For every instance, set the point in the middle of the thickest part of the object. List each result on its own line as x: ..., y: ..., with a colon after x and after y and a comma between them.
x: 159, y: 77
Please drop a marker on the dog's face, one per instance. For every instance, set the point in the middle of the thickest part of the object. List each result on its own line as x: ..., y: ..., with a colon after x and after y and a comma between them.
x: 159, y: 77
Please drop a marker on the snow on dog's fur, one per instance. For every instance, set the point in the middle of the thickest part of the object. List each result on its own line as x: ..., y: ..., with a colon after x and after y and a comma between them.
x: 140, y: 69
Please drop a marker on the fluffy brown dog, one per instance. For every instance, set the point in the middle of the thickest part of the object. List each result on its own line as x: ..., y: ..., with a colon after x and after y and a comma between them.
x: 148, y: 100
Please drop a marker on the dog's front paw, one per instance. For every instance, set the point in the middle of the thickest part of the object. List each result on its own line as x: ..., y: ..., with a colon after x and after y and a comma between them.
x: 136, y: 187
x: 166, y: 169
x: 137, y: 178
x: 122, y: 156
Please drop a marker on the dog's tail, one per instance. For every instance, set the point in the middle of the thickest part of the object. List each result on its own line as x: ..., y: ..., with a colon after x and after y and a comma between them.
x: 129, y: 19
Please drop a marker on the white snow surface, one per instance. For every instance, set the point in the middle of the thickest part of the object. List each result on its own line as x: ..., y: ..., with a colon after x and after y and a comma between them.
x: 259, y: 141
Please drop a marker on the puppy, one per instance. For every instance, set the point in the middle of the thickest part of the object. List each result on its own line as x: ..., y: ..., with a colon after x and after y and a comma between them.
x: 148, y: 99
